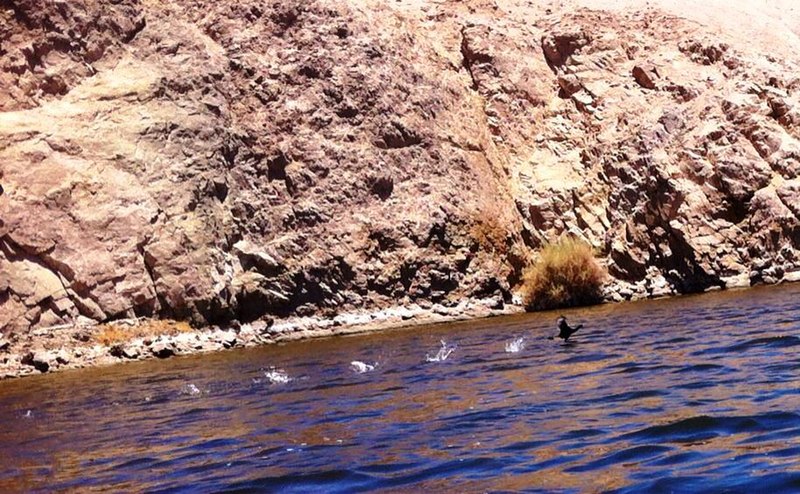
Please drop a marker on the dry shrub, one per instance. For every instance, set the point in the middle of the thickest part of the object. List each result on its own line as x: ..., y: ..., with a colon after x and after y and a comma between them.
x: 489, y: 230
x: 114, y: 334
x: 566, y: 275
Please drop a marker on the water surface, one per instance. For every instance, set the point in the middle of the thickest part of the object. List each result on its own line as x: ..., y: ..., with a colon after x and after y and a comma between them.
x: 694, y: 394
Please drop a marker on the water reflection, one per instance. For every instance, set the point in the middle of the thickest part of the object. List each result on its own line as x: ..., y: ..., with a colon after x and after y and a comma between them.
x: 698, y: 393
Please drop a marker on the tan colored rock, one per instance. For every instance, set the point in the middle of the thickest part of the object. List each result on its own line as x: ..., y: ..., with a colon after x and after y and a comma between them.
x: 131, y: 352
x: 228, y: 339
x: 162, y: 349
x: 41, y: 360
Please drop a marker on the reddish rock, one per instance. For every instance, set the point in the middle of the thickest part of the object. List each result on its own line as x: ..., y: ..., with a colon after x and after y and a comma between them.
x: 224, y: 160
x: 646, y: 76
x: 560, y: 45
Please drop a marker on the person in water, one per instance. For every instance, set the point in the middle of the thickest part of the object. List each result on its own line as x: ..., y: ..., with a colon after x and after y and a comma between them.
x: 564, y: 329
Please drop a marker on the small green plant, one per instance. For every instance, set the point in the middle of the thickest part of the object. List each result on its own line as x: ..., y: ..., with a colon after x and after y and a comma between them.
x: 565, y: 275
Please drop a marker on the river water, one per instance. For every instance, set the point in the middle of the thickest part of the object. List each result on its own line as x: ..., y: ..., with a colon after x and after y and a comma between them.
x: 693, y: 394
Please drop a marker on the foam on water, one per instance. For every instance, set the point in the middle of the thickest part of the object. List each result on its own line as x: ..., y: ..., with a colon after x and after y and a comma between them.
x: 277, y: 376
x: 516, y: 345
x: 360, y: 367
x: 190, y: 389
x: 442, y: 354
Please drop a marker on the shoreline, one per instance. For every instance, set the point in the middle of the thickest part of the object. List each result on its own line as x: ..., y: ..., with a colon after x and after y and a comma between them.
x: 77, y: 346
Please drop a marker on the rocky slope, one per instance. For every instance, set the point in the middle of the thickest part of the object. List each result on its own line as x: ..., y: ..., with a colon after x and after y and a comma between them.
x: 219, y: 160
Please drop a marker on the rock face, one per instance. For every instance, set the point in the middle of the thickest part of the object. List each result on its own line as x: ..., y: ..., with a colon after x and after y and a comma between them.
x: 220, y: 160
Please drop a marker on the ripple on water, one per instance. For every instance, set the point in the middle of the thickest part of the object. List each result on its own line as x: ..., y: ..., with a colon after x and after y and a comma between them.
x: 774, y: 482
x: 581, y: 434
x: 702, y: 368
x: 668, y: 408
x: 277, y: 376
x: 470, y: 467
x: 475, y: 419
x: 636, y: 367
x: 706, y: 427
x: 629, y: 456
x: 522, y: 446
x: 508, y: 367
x: 783, y: 341
x: 589, y: 357
x: 625, y: 397
x: 666, y: 485
x: 344, y: 480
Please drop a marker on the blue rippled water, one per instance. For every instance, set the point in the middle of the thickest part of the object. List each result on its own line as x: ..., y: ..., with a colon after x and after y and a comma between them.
x: 694, y: 394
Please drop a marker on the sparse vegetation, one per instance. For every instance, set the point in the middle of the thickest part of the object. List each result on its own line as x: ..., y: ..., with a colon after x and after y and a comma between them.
x: 114, y: 334
x: 495, y: 236
x: 489, y: 230
x: 565, y: 275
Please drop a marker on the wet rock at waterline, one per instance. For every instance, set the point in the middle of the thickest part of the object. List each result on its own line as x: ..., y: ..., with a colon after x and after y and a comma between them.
x: 131, y: 352
x: 227, y: 338
x: 149, y: 339
x: 41, y: 360
x: 126, y: 351
x: 162, y: 349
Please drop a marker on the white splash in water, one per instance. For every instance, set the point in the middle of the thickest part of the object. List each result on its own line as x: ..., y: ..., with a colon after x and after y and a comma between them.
x: 28, y: 414
x: 516, y: 345
x: 190, y: 389
x: 442, y: 354
x: 277, y: 376
x: 361, y: 367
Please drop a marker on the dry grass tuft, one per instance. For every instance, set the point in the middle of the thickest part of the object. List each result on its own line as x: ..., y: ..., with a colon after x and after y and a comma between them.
x: 566, y: 275
x: 114, y: 334
x: 491, y: 233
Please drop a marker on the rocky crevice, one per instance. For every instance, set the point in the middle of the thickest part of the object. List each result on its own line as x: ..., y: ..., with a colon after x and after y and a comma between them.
x: 469, y: 57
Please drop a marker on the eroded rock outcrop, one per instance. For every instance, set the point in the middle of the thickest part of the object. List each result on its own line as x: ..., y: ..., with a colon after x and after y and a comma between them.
x: 215, y: 161
x: 659, y: 144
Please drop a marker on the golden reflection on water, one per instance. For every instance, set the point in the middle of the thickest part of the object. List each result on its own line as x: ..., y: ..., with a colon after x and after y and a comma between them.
x: 95, y: 425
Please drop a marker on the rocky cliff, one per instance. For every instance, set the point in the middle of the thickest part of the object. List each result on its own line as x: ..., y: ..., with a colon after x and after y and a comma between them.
x: 219, y: 160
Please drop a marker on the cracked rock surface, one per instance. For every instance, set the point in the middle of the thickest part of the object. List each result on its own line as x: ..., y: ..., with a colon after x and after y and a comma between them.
x: 219, y: 160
